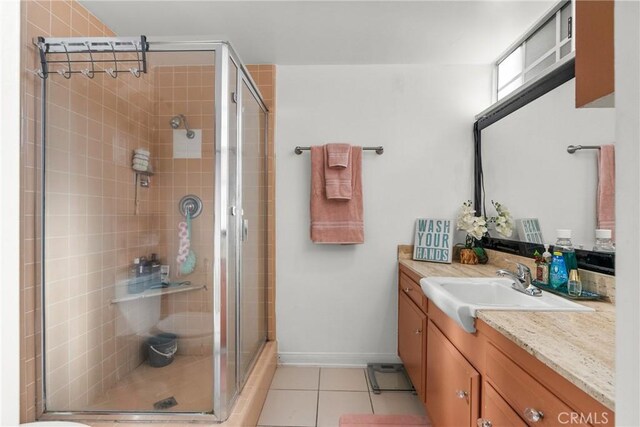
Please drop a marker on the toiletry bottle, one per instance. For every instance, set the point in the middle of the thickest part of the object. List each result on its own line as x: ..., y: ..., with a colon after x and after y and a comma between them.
x: 603, y: 241
x: 156, y: 278
x: 135, y: 282
x: 546, y: 255
x: 574, y: 286
x: 564, y: 245
x: 558, y: 272
x: 542, y: 273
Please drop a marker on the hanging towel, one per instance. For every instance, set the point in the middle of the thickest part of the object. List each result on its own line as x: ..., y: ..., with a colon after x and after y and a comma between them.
x: 335, y: 221
x: 338, y: 179
x: 338, y: 155
x: 607, y: 189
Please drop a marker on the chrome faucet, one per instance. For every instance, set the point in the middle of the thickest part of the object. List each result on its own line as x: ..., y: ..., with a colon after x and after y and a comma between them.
x: 521, y: 280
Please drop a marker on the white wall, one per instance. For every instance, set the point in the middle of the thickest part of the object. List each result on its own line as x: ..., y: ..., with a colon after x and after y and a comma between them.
x: 338, y: 304
x: 627, y: 66
x: 9, y: 213
x: 527, y: 167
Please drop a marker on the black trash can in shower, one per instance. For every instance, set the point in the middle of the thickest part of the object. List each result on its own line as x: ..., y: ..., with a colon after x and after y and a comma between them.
x: 161, y: 349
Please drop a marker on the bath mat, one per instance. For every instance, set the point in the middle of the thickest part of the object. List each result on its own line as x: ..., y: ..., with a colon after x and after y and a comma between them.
x: 167, y: 403
x: 365, y: 420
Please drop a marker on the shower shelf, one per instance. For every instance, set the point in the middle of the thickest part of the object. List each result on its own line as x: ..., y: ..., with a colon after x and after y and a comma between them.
x: 158, y: 292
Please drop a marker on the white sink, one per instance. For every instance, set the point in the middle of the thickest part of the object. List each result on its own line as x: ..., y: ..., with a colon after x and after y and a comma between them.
x: 461, y: 297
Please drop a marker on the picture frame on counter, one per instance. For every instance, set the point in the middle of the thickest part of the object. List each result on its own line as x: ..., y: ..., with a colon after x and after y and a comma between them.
x: 433, y: 240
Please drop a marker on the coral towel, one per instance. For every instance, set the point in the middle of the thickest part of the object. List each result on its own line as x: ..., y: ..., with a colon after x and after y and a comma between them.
x: 368, y: 420
x: 334, y: 220
x: 338, y: 155
x: 606, y: 198
x: 338, y: 171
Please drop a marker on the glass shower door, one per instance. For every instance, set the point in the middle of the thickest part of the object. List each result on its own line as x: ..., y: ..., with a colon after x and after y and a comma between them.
x: 253, y: 322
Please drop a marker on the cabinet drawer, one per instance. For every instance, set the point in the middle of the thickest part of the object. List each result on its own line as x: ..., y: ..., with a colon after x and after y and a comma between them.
x: 522, y: 392
x: 412, y: 341
x: 496, y: 412
x: 413, y: 291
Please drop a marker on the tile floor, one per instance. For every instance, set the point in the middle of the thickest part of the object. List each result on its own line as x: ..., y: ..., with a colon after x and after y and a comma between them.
x: 317, y: 397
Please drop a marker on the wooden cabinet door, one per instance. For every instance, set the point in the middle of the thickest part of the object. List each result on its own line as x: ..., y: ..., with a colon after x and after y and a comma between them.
x: 496, y: 411
x: 453, y: 385
x: 412, y: 336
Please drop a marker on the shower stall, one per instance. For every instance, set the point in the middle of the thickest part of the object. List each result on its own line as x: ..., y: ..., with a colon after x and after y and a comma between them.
x: 154, y: 227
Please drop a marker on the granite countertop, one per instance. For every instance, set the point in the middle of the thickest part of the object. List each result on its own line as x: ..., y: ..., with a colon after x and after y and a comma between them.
x: 579, y: 346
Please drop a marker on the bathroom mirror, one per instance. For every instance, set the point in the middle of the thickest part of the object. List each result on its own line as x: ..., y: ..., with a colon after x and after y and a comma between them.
x: 526, y: 167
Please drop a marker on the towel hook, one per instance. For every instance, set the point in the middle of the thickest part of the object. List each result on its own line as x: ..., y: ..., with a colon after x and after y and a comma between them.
x: 136, y: 71
x: 66, y: 73
x: 89, y: 73
x: 113, y: 72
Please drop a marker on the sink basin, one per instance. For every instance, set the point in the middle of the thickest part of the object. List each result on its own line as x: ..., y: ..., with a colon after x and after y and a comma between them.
x: 461, y: 297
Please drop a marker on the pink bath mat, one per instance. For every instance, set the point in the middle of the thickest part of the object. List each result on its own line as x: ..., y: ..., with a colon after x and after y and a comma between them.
x: 356, y: 420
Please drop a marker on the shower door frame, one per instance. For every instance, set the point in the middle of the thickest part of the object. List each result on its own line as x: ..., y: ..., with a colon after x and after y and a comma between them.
x: 223, y: 396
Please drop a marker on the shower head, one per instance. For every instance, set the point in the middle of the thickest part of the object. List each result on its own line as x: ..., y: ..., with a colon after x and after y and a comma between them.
x: 176, y: 121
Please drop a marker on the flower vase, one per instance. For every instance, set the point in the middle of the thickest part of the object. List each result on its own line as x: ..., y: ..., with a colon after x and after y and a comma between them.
x: 483, y: 258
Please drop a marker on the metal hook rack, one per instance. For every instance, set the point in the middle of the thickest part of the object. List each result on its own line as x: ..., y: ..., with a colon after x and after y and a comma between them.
x: 88, y: 56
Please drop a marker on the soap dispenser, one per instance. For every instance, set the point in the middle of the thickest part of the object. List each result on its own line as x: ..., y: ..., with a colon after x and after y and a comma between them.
x: 558, y: 275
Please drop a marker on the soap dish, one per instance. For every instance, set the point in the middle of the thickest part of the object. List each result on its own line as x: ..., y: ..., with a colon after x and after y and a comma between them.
x: 562, y: 291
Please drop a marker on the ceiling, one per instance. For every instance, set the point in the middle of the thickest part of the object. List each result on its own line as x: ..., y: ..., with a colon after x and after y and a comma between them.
x: 333, y: 32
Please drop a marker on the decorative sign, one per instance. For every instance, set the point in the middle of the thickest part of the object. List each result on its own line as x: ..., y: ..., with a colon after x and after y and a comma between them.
x: 433, y: 240
x: 529, y: 230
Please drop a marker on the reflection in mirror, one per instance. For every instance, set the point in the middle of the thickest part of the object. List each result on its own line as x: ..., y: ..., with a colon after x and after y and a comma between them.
x: 527, y: 166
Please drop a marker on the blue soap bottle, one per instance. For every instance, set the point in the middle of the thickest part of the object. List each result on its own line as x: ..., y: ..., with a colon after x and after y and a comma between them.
x: 558, y: 275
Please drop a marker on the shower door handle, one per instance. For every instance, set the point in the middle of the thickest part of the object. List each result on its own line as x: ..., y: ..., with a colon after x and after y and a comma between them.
x: 245, y: 230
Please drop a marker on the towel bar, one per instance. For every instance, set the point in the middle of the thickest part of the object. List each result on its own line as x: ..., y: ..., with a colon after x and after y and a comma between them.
x: 379, y: 149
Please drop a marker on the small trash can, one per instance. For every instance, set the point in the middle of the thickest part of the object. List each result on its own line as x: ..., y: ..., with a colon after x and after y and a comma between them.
x: 161, y: 349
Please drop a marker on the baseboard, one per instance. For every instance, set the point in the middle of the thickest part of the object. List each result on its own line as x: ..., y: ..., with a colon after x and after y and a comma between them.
x: 335, y: 359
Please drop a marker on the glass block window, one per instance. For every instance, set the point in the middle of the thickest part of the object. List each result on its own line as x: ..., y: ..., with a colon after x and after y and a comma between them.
x: 548, y: 43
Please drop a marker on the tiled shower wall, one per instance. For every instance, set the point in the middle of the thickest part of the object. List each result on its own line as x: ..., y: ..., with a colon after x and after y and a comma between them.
x: 91, y: 231
x: 187, y: 90
x: 92, y: 234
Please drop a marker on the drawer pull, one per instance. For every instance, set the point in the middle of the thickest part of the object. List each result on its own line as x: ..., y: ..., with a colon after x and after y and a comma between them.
x: 461, y: 394
x: 418, y: 331
x: 406, y: 290
x: 532, y: 415
x: 484, y: 423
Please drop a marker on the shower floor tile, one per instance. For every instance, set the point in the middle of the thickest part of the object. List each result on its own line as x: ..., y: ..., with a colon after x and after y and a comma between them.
x: 187, y: 380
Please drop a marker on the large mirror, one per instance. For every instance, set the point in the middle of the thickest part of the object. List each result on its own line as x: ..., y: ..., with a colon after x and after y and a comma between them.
x: 527, y: 166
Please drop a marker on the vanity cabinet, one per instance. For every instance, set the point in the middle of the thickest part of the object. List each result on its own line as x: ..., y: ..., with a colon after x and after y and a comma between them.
x: 495, y: 411
x: 481, y: 379
x: 594, y: 53
x: 453, y: 388
x: 530, y: 399
x: 412, y: 339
